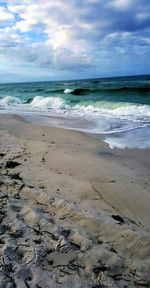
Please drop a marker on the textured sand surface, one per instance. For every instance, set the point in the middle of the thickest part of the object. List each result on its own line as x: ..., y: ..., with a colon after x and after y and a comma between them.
x: 73, y: 213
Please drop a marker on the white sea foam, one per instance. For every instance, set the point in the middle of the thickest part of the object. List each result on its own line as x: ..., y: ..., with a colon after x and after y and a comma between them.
x: 101, y: 119
x: 48, y: 102
x: 68, y: 91
x: 9, y: 101
x: 130, y: 110
x: 137, y: 138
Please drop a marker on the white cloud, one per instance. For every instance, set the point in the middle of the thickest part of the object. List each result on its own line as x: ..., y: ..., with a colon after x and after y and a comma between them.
x: 5, y: 15
x: 120, y: 4
x: 16, y: 8
x: 144, y: 15
x: 93, y: 1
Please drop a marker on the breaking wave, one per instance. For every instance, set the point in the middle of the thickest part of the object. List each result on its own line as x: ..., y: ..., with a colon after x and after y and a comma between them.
x: 83, y: 108
x: 68, y: 91
x: 87, y: 91
x: 48, y: 102
x: 9, y: 101
x: 98, y: 117
x: 128, y: 110
x: 79, y: 91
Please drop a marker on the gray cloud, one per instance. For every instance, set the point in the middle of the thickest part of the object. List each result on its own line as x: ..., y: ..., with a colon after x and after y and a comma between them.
x: 75, y: 35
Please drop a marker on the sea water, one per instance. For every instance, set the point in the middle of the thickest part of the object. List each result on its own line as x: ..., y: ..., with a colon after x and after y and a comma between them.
x: 116, y: 108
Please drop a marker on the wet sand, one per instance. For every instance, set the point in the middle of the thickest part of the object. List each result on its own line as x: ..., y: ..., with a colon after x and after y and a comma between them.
x: 74, y: 213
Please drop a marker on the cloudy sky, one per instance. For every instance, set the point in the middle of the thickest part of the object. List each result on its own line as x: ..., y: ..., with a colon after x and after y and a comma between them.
x: 72, y: 39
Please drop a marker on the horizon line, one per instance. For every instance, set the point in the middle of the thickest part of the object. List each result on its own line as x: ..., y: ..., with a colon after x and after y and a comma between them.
x: 78, y: 79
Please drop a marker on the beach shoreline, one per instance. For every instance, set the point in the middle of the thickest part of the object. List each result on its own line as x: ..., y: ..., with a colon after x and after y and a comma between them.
x: 74, y: 213
x: 117, y: 109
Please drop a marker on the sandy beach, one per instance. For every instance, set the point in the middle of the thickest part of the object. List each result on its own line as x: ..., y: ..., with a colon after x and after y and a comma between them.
x: 73, y: 212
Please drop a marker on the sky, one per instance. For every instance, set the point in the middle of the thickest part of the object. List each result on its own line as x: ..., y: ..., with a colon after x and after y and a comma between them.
x: 73, y: 39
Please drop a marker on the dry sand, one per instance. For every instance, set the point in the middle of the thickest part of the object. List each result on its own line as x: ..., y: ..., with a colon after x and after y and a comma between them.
x: 73, y: 213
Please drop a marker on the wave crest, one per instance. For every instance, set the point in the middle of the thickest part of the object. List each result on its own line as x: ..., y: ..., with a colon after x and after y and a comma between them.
x: 48, y: 102
x: 68, y: 91
x: 9, y: 101
x: 77, y: 91
x: 104, y: 89
x: 135, y: 111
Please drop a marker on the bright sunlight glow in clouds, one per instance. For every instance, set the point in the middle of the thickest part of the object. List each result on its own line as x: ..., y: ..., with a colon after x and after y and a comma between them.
x: 68, y: 39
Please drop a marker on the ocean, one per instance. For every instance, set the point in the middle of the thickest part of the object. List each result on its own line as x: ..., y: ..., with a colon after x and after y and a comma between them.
x: 117, y: 109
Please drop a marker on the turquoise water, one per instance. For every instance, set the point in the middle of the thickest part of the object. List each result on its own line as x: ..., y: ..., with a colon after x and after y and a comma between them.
x: 103, y: 106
